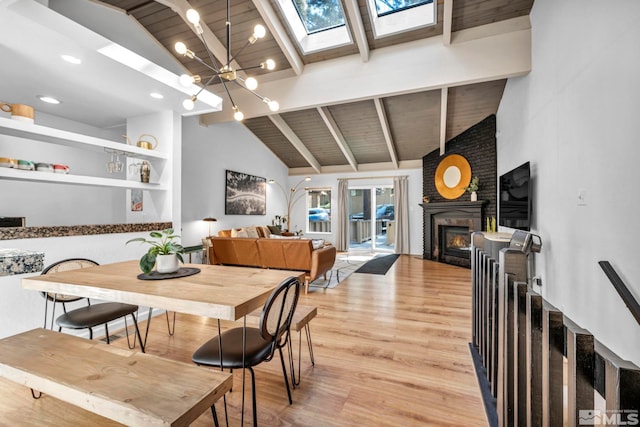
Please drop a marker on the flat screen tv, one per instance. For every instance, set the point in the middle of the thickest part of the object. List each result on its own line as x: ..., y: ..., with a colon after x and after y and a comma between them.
x: 515, y: 198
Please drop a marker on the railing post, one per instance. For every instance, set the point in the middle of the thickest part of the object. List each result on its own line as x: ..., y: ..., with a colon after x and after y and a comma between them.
x: 552, y: 365
x: 581, y: 370
x: 511, y: 269
x: 534, y: 359
x: 520, y: 350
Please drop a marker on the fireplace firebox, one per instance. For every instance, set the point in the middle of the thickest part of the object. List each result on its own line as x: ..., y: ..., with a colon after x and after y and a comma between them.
x: 455, y: 241
x: 447, y: 230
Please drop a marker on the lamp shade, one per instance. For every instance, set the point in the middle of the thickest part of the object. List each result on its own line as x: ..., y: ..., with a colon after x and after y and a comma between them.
x: 209, y: 219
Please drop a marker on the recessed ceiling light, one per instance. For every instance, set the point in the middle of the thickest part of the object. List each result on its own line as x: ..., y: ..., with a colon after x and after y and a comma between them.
x: 48, y: 99
x: 156, y: 95
x: 71, y: 59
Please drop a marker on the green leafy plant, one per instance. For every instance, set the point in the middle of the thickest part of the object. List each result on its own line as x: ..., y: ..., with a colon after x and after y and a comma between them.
x: 473, y: 185
x: 161, y: 244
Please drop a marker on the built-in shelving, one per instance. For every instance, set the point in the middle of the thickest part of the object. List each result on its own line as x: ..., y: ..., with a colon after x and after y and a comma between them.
x: 62, y: 137
x: 35, y: 132
x: 24, y: 175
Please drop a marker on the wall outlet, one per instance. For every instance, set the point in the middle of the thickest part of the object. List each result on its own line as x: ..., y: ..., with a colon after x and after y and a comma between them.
x: 582, y: 197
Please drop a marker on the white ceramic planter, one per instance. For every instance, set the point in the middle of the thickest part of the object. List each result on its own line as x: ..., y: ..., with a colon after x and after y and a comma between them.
x: 474, y: 196
x: 167, y: 263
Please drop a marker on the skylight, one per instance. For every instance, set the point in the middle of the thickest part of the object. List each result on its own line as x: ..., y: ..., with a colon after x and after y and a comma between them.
x: 385, y: 7
x: 396, y: 16
x: 317, y: 15
x: 316, y: 24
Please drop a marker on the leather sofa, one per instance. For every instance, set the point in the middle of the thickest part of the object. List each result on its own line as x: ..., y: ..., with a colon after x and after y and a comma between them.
x: 284, y: 254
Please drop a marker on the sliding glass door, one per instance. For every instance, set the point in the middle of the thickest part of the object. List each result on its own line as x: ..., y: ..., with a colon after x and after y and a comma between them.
x: 371, y: 218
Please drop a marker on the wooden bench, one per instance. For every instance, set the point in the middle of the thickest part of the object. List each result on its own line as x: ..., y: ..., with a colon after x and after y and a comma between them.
x: 126, y: 386
x: 301, y: 318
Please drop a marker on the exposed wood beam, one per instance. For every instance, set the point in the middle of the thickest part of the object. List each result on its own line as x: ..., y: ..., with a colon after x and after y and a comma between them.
x: 447, y: 18
x: 280, y: 35
x: 218, y: 49
x: 484, y: 59
x: 338, y: 137
x: 295, y: 141
x: 384, y: 124
x: 358, y: 28
x: 444, y: 99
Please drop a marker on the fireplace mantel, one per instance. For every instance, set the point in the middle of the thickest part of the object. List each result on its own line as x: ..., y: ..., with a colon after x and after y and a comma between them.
x: 469, y: 213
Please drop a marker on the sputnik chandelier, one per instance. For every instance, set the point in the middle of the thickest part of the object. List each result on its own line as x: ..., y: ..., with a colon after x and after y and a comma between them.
x: 226, y: 74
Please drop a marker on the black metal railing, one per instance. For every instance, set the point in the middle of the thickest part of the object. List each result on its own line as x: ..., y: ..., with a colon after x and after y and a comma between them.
x: 623, y: 291
x: 544, y: 369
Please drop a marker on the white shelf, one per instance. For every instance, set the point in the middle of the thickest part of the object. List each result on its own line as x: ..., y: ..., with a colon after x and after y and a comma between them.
x: 24, y: 175
x: 61, y: 137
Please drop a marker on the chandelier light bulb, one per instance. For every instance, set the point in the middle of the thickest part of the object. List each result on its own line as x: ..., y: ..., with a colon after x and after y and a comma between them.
x: 193, y: 16
x: 259, y: 31
x: 251, y: 83
x: 270, y: 64
x: 186, y: 80
x: 237, y: 114
x: 273, y: 105
x: 181, y: 48
x: 189, y: 103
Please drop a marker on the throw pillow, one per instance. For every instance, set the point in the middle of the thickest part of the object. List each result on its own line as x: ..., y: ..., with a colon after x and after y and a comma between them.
x: 263, y: 231
x: 239, y: 232
x: 279, y: 236
x: 317, y: 243
x: 252, y: 232
x: 274, y: 230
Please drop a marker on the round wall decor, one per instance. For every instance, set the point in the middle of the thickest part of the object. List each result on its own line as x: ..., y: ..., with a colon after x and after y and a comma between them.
x: 453, y: 174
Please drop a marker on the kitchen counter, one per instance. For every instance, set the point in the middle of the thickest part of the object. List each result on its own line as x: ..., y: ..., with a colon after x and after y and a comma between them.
x: 19, y: 261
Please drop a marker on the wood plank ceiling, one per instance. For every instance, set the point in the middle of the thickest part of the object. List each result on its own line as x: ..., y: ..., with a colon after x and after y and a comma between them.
x: 383, y: 132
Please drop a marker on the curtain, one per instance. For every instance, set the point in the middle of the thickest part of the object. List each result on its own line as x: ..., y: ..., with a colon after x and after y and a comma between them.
x: 343, y: 215
x: 401, y: 197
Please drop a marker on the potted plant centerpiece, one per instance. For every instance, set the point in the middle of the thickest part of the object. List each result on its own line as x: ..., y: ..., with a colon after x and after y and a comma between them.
x: 163, y: 251
x: 473, y: 187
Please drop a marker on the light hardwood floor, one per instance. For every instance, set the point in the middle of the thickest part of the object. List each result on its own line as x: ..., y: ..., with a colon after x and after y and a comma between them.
x: 390, y: 350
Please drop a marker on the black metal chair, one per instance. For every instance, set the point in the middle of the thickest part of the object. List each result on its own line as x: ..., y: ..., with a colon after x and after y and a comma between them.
x: 91, y: 315
x: 227, y: 350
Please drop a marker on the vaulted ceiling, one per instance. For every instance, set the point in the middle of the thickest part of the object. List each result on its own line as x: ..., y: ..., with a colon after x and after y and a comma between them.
x: 375, y: 103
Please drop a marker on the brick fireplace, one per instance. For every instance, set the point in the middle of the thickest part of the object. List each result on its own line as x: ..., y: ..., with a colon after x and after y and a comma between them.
x: 447, y: 230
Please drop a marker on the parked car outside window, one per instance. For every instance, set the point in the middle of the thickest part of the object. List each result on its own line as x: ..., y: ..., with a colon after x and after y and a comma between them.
x: 385, y: 212
x: 318, y: 214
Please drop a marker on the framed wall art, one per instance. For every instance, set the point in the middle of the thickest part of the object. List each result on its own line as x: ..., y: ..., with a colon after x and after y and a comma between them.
x: 245, y: 194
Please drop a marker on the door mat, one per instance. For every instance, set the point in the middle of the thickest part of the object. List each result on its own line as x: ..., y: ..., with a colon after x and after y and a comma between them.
x: 378, y: 265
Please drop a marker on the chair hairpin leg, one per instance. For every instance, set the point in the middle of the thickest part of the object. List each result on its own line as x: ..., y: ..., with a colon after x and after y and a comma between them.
x: 284, y: 372
x: 135, y: 324
x: 33, y: 394
x: 294, y: 381
x: 215, y: 415
x: 307, y: 330
x: 171, y: 329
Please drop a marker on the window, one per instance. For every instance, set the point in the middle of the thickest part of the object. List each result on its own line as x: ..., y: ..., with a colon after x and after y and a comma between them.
x: 385, y: 7
x: 319, y: 211
x: 319, y: 15
x: 396, y: 16
x: 316, y: 24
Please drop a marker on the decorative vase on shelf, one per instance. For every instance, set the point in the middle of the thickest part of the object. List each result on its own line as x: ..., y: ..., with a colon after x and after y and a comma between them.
x: 167, y: 263
x: 474, y: 196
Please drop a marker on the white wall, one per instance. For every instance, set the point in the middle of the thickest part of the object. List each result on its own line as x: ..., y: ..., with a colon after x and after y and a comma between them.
x: 207, y: 152
x: 575, y: 118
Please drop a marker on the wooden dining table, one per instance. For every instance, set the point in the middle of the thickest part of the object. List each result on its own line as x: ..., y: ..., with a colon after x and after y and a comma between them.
x: 220, y: 292
x: 216, y: 291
